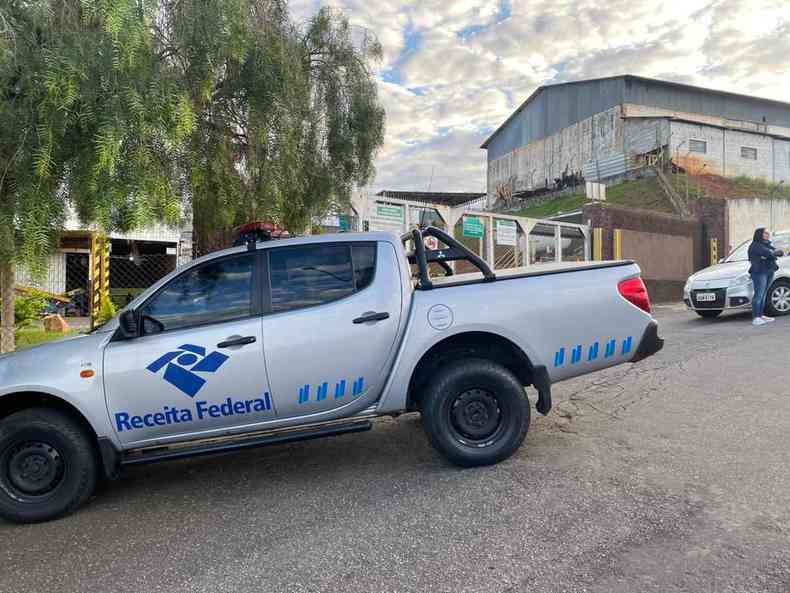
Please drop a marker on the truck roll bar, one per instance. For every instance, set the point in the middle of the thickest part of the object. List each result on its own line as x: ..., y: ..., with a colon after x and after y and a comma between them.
x: 455, y: 251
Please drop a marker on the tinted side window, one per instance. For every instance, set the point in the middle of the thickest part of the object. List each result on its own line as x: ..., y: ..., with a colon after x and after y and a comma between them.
x: 364, y: 255
x: 215, y: 291
x: 312, y: 275
x: 316, y: 274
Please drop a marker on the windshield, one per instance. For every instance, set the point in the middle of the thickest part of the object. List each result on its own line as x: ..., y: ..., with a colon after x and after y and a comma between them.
x: 779, y: 241
x: 741, y: 253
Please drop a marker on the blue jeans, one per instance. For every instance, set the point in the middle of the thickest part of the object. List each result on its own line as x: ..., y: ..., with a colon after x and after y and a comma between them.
x: 761, y: 283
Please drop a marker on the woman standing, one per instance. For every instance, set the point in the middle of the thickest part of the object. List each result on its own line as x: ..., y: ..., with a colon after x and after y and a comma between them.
x: 762, y: 256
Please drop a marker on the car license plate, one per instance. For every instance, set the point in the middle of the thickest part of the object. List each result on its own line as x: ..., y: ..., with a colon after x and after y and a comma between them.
x: 704, y: 297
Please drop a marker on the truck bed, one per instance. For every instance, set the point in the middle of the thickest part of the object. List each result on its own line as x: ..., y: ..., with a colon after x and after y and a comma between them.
x: 525, y: 272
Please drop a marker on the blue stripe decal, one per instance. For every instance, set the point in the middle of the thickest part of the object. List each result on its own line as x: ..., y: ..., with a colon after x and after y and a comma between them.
x: 340, y: 389
x: 611, y: 346
x: 357, y: 387
x: 559, y: 357
x: 322, y: 390
x: 577, y: 354
x: 593, y: 353
x: 627, y: 345
x: 304, y: 394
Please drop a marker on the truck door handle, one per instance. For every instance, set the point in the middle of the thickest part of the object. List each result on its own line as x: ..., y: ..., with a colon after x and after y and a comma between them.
x: 234, y: 341
x: 372, y: 317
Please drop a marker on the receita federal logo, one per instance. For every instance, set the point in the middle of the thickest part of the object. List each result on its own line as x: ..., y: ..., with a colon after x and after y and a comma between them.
x: 182, y: 365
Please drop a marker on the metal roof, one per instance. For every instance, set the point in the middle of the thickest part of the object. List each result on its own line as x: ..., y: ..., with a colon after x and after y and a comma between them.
x: 433, y: 197
x: 633, y: 78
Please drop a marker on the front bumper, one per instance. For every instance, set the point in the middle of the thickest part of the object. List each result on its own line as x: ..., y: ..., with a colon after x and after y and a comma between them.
x: 650, y: 343
x: 737, y: 297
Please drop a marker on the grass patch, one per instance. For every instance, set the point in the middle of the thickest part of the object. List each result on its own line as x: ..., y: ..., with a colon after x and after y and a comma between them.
x: 642, y: 193
x: 569, y: 203
x: 759, y: 188
x: 33, y: 336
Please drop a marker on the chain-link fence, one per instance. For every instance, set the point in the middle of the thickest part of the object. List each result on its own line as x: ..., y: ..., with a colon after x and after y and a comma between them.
x: 132, y: 274
x: 77, y: 287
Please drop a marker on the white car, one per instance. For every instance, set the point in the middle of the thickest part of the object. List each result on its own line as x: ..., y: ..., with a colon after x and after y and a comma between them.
x: 728, y: 286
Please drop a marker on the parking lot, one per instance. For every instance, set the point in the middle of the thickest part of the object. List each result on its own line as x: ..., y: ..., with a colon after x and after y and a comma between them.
x: 670, y: 475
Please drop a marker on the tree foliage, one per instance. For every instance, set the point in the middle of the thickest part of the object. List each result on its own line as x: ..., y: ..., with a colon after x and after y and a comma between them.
x: 133, y: 111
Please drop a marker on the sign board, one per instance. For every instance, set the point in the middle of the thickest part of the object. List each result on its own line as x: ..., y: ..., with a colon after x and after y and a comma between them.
x: 506, y: 232
x: 473, y: 227
x: 596, y: 191
x: 388, y: 217
x: 332, y: 220
x: 344, y: 222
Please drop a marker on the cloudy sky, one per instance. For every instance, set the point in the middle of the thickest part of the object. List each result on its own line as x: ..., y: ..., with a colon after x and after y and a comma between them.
x: 453, y: 70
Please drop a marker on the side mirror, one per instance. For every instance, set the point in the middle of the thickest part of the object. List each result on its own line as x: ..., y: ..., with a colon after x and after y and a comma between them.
x: 129, y: 325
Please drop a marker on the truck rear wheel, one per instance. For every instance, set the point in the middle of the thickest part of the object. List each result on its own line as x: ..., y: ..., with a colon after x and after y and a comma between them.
x: 48, y: 465
x: 475, y: 412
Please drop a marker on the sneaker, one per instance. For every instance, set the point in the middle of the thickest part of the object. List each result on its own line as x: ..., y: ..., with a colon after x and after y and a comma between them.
x: 768, y: 319
x: 759, y: 321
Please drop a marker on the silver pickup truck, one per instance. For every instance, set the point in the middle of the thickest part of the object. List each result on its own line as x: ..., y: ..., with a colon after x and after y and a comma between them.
x: 305, y: 338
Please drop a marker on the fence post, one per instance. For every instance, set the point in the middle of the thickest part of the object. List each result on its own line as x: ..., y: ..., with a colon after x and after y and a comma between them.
x: 100, y: 274
x: 617, y: 246
x: 597, y: 244
x: 714, y: 251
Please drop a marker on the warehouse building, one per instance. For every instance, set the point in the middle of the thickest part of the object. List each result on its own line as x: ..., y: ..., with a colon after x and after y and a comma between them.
x: 598, y: 130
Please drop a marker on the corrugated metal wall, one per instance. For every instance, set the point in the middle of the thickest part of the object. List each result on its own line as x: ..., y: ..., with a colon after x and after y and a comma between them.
x: 705, y: 102
x: 613, y: 166
x: 556, y: 108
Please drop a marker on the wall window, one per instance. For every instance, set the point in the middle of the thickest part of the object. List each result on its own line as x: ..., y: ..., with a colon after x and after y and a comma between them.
x: 698, y: 146
x: 317, y: 274
x: 209, y: 293
x: 747, y: 152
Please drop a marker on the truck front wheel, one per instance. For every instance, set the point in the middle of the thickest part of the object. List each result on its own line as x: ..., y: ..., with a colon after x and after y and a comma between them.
x: 48, y: 465
x: 475, y: 412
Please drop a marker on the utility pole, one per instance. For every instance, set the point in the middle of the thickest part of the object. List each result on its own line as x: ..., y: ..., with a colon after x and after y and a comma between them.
x: 773, y: 192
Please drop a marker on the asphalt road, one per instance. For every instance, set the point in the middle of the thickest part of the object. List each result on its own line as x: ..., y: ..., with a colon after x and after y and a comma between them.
x: 670, y: 475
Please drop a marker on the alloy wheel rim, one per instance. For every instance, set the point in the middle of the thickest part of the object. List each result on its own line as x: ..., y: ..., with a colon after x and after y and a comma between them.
x: 780, y: 299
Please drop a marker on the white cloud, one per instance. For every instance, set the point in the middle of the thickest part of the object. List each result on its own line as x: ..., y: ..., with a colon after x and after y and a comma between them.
x: 453, y: 71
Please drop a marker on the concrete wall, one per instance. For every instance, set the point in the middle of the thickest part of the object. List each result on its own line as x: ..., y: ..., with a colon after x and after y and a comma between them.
x: 538, y: 163
x: 747, y: 214
x: 667, y: 247
x: 723, y: 156
x: 676, y: 263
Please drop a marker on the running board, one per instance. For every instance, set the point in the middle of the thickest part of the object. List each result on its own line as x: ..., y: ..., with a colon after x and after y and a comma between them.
x: 225, y: 444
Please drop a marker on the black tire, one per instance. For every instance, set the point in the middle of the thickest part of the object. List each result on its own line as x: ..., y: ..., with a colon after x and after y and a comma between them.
x: 777, y: 300
x: 48, y: 465
x: 709, y: 313
x: 475, y: 412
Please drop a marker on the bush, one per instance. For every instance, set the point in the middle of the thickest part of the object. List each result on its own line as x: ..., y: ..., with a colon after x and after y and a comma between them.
x: 29, y: 307
x: 107, y: 310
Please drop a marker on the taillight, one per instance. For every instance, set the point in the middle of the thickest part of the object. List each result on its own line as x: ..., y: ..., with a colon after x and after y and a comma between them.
x: 635, y: 292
